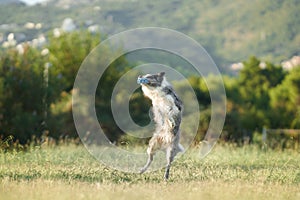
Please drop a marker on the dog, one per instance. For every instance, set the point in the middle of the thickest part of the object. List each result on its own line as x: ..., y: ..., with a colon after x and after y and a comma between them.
x: 167, y: 109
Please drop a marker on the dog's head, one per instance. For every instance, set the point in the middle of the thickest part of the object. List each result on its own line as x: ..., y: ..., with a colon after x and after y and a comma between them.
x: 152, y: 80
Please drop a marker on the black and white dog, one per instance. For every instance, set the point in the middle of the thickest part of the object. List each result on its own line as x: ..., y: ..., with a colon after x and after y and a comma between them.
x: 167, y: 109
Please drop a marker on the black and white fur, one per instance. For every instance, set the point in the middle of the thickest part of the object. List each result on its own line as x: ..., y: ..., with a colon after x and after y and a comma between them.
x: 167, y: 110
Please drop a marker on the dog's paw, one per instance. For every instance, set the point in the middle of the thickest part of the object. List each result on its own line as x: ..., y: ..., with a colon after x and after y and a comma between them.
x: 142, y: 170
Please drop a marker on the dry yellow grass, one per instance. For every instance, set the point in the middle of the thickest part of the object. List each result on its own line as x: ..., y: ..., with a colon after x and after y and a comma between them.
x: 45, y: 189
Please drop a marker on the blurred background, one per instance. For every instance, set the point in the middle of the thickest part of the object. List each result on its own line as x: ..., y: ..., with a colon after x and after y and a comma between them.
x: 255, y: 45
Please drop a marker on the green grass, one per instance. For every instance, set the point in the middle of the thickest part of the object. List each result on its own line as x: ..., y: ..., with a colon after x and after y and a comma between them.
x: 70, y: 172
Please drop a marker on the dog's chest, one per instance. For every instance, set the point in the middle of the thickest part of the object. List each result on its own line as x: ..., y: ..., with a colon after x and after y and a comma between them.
x: 160, y: 100
x: 164, y: 103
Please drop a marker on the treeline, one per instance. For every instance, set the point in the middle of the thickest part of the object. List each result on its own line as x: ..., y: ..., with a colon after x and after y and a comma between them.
x: 36, y: 88
x: 262, y: 95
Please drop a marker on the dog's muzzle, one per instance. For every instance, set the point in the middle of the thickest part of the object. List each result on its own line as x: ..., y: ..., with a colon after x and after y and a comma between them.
x: 142, y: 81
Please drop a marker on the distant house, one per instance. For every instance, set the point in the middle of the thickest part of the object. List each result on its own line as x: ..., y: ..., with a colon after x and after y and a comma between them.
x: 237, y: 66
x: 292, y: 63
x: 68, y: 25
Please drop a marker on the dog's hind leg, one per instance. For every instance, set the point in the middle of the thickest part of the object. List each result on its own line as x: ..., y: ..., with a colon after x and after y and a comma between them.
x: 170, y: 153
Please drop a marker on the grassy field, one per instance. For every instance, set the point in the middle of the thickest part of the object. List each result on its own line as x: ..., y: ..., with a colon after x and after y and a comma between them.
x: 69, y: 172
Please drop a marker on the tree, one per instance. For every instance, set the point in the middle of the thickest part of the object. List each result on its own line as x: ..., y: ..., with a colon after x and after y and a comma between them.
x: 249, y: 98
x: 22, y: 93
x: 68, y: 51
x: 36, y: 89
x: 285, y: 101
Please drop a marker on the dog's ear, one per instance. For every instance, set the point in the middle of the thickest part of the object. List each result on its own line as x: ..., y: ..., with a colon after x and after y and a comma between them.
x: 161, y: 74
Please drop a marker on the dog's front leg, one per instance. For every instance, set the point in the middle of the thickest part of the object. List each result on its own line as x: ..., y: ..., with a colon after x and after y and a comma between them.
x: 150, y: 152
x: 149, y: 161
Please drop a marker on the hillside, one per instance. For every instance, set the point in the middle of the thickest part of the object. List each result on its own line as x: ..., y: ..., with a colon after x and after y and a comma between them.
x: 10, y: 2
x: 231, y: 31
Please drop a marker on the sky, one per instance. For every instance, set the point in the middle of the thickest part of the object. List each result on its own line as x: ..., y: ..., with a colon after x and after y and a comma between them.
x: 32, y: 2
